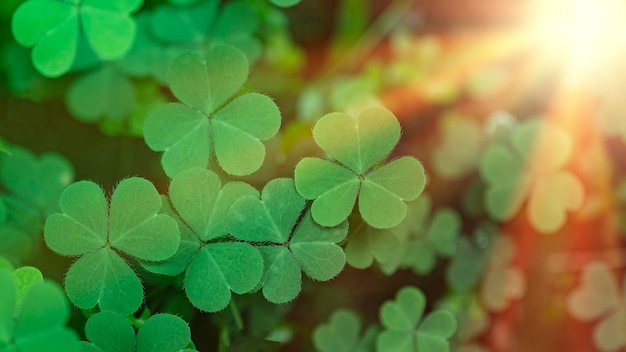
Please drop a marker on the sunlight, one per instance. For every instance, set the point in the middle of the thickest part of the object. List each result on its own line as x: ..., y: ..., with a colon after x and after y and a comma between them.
x: 582, y: 36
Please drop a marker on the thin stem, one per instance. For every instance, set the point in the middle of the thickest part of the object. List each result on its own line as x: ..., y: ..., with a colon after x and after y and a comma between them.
x: 236, y: 314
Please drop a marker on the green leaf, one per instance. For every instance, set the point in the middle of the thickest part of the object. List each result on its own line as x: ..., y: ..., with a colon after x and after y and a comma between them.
x: 134, y: 225
x: 105, y: 93
x: 434, y: 332
x: 269, y: 219
x: 36, y: 181
x: 220, y: 268
x: 443, y: 231
x: 163, y: 333
x: 110, y: 332
x: 102, y: 277
x: 52, y: 28
x: 466, y: 266
x: 384, y: 191
x: 82, y: 227
x: 25, y: 278
x: 208, y: 123
x: 40, y: 323
x: 403, y: 330
x: 333, y: 187
x: 340, y: 334
x: 202, y: 203
x: 315, y: 248
x: 282, y: 275
x: 8, y: 292
x: 285, y: 3
x: 182, y: 133
x: 358, y: 142
x: 369, y: 244
x: 460, y: 150
x: 239, y: 129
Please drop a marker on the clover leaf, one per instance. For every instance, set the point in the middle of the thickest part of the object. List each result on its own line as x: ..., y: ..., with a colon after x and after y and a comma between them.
x: 35, y: 182
x: 33, y: 314
x: 213, y: 266
x: 460, y: 150
x: 285, y: 3
x: 404, y: 328
x: 52, y: 29
x: 601, y: 297
x: 289, y: 240
x: 502, y: 281
x: 111, y: 332
x: 342, y: 333
x: 532, y: 167
x: 466, y: 266
x: 358, y: 144
x: 368, y: 243
x: 207, y: 121
x: 104, y: 93
x: 99, y: 231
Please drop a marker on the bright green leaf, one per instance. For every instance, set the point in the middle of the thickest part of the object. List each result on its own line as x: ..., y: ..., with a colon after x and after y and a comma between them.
x: 282, y: 276
x: 220, y: 268
x: 369, y: 244
x: 102, y: 277
x: 25, y: 277
x: 163, y: 333
x: 358, y: 142
x: 110, y: 332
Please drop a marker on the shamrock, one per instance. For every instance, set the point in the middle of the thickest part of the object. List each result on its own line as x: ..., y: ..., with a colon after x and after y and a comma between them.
x: 424, y: 236
x: 34, y: 185
x: 599, y: 297
x: 33, y: 314
x: 99, y: 231
x: 288, y: 238
x: 466, y: 266
x: 111, y: 332
x: 501, y: 280
x: 358, y: 145
x: 367, y: 243
x: 459, y: 152
x: 342, y: 333
x: 207, y: 121
x: 213, y: 266
x: 102, y: 93
x: 52, y: 28
x: 404, y: 329
x: 532, y: 167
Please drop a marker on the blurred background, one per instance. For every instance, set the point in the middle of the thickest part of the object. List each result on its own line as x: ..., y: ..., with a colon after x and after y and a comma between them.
x: 517, y: 109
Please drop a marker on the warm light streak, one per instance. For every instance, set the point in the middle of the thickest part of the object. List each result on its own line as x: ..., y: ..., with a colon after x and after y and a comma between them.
x: 582, y: 36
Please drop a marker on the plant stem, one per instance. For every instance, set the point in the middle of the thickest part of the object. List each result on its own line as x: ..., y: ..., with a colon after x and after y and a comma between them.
x: 236, y: 314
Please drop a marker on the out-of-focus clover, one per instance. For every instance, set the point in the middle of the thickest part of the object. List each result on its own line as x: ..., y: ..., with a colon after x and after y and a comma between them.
x: 532, y: 167
x: 460, y: 149
x: 599, y: 298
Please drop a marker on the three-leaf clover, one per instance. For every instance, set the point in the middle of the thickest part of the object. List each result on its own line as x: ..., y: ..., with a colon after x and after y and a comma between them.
x: 358, y: 144
x: 599, y: 296
x: 100, y: 231
x: 288, y: 238
x: 52, y: 28
x: 368, y: 243
x: 460, y: 151
x: 111, y: 332
x: 342, y: 333
x: 209, y: 121
x: 213, y: 265
x: 102, y: 93
x: 532, y: 167
x: 406, y: 331
x: 501, y: 280
x: 33, y: 314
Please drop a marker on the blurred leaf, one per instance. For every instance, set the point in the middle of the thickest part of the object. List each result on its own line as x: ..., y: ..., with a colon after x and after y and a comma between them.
x: 52, y: 28
x: 105, y: 93
x: 404, y: 328
x: 459, y: 152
